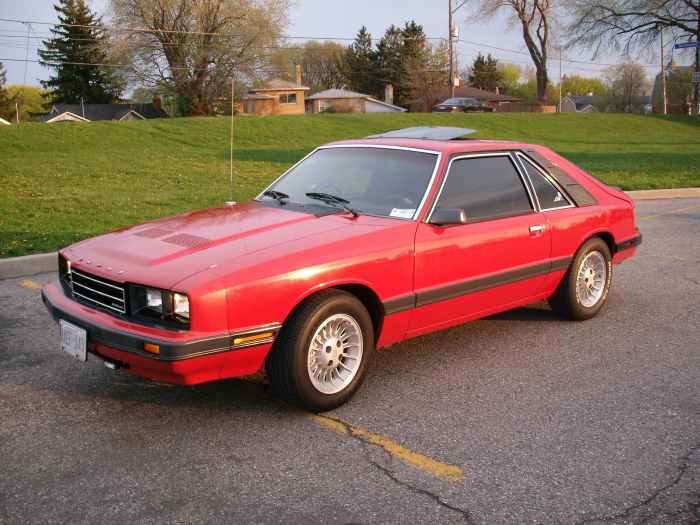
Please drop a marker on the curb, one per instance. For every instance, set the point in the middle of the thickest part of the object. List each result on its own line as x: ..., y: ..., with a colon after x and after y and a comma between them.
x: 46, y: 262
x: 673, y: 193
x: 28, y: 265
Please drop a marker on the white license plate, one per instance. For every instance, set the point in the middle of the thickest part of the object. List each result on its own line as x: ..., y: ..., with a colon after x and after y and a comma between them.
x: 73, y: 340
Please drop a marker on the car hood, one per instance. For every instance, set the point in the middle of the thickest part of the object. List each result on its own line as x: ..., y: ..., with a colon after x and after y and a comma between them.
x: 164, y: 252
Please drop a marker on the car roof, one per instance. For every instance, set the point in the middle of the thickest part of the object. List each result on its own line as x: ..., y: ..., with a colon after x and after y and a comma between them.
x: 439, y: 146
x: 440, y: 139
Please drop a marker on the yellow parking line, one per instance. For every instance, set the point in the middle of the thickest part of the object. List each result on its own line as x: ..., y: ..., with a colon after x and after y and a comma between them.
x: 657, y: 215
x: 28, y: 283
x: 414, y: 459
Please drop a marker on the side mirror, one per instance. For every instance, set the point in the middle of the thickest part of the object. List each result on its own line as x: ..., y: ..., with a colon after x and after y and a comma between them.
x: 448, y: 217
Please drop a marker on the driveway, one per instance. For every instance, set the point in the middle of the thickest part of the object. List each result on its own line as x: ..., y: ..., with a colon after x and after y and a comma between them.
x: 520, y: 417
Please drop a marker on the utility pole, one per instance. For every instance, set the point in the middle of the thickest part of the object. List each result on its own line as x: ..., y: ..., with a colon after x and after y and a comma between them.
x: 696, y: 86
x: 560, y: 77
x: 451, y: 35
x: 449, y: 40
x: 26, y: 51
x: 663, y: 71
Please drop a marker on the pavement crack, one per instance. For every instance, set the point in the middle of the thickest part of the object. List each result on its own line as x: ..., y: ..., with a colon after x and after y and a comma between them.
x: 366, y: 443
x: 624, y: 514
x: 417, y: 490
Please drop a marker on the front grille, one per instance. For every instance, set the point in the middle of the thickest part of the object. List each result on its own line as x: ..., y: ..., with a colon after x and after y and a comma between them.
x: 98, y: 291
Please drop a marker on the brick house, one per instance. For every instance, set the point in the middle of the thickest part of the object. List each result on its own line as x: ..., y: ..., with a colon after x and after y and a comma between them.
x: 276, y: 97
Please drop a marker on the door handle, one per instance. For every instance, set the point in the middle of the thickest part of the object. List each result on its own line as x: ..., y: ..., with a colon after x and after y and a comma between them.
x: 536, y: 228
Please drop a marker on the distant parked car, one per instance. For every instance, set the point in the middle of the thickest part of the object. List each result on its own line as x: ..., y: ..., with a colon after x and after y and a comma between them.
x: 360, y: 245
x: 466, y: 105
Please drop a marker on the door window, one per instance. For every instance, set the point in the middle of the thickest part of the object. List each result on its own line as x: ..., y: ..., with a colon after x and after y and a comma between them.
x: 485, y: 188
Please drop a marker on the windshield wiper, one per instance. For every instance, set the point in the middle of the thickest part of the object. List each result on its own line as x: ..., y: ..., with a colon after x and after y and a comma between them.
x: 279, y: 196
x: 333, y: 200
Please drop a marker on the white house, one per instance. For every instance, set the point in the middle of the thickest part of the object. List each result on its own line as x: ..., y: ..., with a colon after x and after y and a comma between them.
x: 344, y: 101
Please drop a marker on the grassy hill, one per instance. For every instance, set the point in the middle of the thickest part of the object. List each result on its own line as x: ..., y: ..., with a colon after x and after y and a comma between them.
x: 64, y: 182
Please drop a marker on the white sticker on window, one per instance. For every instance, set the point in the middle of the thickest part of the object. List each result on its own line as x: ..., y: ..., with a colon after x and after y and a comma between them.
x: 404, y: 213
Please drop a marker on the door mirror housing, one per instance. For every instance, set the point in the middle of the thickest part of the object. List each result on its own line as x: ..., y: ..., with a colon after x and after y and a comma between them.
x: 448, y: 217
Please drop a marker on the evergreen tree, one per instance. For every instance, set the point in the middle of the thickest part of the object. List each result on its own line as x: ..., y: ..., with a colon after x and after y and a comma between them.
x: 401, y: 53
x: 485, y: 73
x: 360, y: 64
x: 390, y: 62
x: 78, y: 42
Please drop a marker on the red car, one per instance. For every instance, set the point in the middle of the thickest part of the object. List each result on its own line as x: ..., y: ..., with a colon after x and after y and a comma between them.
x: 360, y: 245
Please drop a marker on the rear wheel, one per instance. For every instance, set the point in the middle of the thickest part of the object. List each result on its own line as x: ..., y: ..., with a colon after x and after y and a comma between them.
x: 320, y: 356
x: 584, y: 289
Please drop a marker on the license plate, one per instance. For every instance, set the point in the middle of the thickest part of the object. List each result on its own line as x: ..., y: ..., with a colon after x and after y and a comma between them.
x: 73, y: 340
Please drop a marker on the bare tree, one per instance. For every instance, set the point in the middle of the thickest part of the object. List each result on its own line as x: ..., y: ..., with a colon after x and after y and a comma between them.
x: 321, y: 64
x: 626, y: 82
x: 196, y: 46
x: 535, y: 18
x: 634, y: 25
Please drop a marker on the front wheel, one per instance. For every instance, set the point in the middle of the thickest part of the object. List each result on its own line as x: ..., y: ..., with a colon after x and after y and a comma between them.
x: 320, y: 356
x: 584, y: 289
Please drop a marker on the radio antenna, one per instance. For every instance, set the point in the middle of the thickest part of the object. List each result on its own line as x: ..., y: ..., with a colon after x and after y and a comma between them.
x: 231, y: 202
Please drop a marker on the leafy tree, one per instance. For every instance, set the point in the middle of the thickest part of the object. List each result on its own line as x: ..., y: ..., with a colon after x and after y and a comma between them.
x: 581, y: 86
x: 484, y: 73
x: 197, y: 46
x: 74, y: 53
x: 5, y: 99
x: 359, y: 64
x: 31, y: 101
x: 510, y: 77
x: 535, y: 18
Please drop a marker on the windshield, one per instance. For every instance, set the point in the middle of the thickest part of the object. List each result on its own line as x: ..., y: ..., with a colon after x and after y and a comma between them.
x: 375, y: 181
x: 454, y: 101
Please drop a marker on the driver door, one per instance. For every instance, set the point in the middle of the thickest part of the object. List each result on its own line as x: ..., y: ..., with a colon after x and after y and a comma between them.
x: 498, y: 258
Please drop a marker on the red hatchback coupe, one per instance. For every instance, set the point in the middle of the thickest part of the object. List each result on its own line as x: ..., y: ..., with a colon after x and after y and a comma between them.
x: 360, y: 245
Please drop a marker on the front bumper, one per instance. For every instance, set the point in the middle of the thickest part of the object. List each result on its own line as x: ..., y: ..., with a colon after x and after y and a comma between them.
x: 185, y: 357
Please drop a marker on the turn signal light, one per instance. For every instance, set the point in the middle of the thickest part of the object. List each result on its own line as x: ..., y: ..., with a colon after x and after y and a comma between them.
x: 151, y: 348
x: 252, y: 338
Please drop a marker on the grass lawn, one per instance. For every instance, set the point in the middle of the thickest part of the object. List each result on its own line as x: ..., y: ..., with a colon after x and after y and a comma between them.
x: 64, y: 182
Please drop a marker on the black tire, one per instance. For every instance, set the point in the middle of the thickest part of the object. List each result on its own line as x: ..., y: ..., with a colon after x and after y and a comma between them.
x: 565, y: 301
x: 286, y: 364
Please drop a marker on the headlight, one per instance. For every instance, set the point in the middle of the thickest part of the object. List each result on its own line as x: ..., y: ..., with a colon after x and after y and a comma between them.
x: 161, y: 306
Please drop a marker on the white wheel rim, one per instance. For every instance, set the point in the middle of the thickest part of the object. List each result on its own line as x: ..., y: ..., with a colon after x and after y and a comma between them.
x: 335, y: 354
x: 591, y: 279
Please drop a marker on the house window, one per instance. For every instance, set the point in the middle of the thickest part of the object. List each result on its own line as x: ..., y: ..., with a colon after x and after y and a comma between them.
x: 289, y: 98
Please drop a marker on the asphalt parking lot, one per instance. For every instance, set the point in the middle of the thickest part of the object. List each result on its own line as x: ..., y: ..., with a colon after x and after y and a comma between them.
x: 517, y: 418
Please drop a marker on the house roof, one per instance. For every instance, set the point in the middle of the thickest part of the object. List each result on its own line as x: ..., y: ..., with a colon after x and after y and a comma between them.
x: 94, y: 112
x: 334, y: 94
x: 479, y: 94
x: 277, y: 84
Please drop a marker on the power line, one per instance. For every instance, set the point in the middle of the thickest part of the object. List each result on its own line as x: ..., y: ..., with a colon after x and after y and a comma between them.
x: 183, y: 32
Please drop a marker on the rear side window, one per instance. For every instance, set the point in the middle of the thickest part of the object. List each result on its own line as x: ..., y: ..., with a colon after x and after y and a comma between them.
x: 547, y: 193
x: 486, y: 188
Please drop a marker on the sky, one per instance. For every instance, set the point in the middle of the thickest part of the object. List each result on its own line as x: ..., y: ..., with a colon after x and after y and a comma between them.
x: 325, y: 18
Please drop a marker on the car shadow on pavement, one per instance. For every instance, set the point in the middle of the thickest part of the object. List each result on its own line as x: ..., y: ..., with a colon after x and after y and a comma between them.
x: 532, y: 312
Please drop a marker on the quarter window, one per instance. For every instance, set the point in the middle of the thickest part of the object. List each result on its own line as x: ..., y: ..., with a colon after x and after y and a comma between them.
x: 485, y: 188
x: 288, y: 98
x: 548, y: 194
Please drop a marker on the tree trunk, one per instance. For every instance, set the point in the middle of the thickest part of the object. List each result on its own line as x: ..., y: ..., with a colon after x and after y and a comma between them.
x: 542, y: 81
